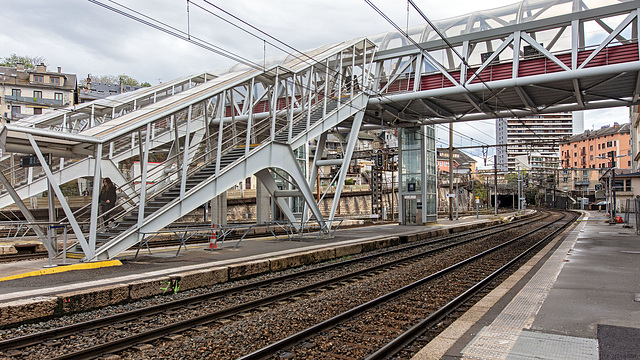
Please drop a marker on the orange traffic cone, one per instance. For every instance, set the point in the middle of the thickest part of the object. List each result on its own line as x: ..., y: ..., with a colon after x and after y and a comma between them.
x: 213, y: 244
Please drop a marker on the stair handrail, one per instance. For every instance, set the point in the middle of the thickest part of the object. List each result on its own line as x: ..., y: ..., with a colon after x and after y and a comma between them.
x: 193, y: 149
x: 259, y: 129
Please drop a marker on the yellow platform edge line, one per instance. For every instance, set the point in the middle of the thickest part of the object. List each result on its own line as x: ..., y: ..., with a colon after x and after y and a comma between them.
x: 59, y: 269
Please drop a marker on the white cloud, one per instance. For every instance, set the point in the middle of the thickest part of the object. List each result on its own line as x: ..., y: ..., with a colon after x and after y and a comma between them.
x: 595, y: 119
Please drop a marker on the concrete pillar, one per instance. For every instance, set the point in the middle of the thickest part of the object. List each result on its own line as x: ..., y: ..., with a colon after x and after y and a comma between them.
x: 219, y: 209
x: 263, y: 203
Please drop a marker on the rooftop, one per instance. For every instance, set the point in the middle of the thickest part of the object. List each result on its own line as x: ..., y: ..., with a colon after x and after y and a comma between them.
x: 21, y: 77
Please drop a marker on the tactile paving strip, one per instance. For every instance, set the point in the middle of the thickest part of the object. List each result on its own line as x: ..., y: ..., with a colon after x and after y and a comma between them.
x: 497, y: 340
x: 535, y: 345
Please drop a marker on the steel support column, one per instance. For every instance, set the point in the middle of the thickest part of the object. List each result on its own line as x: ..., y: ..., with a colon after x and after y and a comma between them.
x: 353, y: 138
x: 144, y: 158
x: 88, y: 251
x: 314, y: 168
x: 25, y: 211
x: 95, y: 197
x: 264, y: 176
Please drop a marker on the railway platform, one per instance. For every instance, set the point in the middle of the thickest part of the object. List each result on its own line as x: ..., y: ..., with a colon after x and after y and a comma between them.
x: 577, y: 299
x: 162, y: 262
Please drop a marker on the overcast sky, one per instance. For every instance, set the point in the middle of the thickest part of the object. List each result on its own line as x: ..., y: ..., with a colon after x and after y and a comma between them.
x: 85, y: 38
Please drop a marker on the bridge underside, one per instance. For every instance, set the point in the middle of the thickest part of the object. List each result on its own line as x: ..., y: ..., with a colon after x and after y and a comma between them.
x: 514, y: 97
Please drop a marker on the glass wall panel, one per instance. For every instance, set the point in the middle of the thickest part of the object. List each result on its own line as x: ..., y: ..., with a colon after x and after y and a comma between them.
x: 411, y: 138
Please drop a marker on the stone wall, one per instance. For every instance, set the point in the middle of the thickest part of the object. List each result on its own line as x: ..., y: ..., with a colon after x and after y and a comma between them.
x: 352, y: 204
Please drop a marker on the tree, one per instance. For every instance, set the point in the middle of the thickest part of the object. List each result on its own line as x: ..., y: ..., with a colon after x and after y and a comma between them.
x: 479, y: 189
x: 115, y: 80
x: 29, y: 62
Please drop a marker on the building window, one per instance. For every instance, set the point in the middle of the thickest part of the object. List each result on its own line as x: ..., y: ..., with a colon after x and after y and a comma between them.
x: 575, y: 163
x: 15, y: 111
x: 37, y: 94
x: 38, y: 78
x: 57, y: 96
x: 37, y: 111
x: 55, y: 80
x: 591, y: 158
x: 614, y: 143
x: 16, y: 92
x: 591, y: 148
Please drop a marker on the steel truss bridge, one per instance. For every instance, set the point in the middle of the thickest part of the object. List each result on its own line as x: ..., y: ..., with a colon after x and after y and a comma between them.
x: 213, y: 130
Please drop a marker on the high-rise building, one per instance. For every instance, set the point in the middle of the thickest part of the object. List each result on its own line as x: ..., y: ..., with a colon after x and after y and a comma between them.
x: 537, y: 137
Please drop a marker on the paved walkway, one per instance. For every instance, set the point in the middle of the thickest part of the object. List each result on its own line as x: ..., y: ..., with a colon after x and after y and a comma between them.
x: 578, y: 299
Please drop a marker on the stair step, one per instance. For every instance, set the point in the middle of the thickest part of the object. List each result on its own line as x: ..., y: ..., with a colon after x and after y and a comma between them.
x: 209, y: 170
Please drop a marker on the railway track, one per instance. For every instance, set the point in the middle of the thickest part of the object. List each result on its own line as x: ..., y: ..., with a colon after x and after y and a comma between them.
x: 21, y: 257
x: 383, y: 317
x: 215, y: 310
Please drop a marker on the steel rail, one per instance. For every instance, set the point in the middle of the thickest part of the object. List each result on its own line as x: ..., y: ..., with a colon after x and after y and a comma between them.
x: 28, y: 340
x: 268, y: 351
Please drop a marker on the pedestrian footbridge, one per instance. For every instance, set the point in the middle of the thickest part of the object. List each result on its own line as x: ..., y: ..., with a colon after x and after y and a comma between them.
x: 207, y: 132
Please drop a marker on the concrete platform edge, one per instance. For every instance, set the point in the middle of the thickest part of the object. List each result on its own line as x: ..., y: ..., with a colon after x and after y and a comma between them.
x: 59, y: 269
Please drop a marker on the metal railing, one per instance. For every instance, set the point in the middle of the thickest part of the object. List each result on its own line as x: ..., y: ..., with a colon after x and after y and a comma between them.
x: 35, y: 100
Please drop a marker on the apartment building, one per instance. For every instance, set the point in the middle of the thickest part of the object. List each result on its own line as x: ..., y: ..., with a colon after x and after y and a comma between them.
x: 585, y: 157
x: 31, y: 92
x: 536, y: 137
x: 635, y: 137
x: 96, y: 90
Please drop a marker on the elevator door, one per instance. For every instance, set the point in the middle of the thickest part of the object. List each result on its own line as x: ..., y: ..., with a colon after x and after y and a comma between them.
x: 410, y: 210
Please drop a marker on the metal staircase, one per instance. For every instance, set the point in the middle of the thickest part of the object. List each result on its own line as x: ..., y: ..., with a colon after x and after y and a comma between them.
x: 211, y: 137
x: 235, y: 164
x: 247, y: 123
x: 131, y: 218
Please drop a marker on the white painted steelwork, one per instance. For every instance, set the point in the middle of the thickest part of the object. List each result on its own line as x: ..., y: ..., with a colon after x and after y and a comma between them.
x: 219, y: 128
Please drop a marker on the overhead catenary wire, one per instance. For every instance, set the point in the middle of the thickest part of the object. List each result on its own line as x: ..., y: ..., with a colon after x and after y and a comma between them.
x: 450, y: 46
x: 170, y: 30
x: 188, y: 38
x: 300, y: 57
x: 298, y: 54
x: 302, y: 54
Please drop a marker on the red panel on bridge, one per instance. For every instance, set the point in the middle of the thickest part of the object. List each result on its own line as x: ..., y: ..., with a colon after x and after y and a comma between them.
x: 527, y: 67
